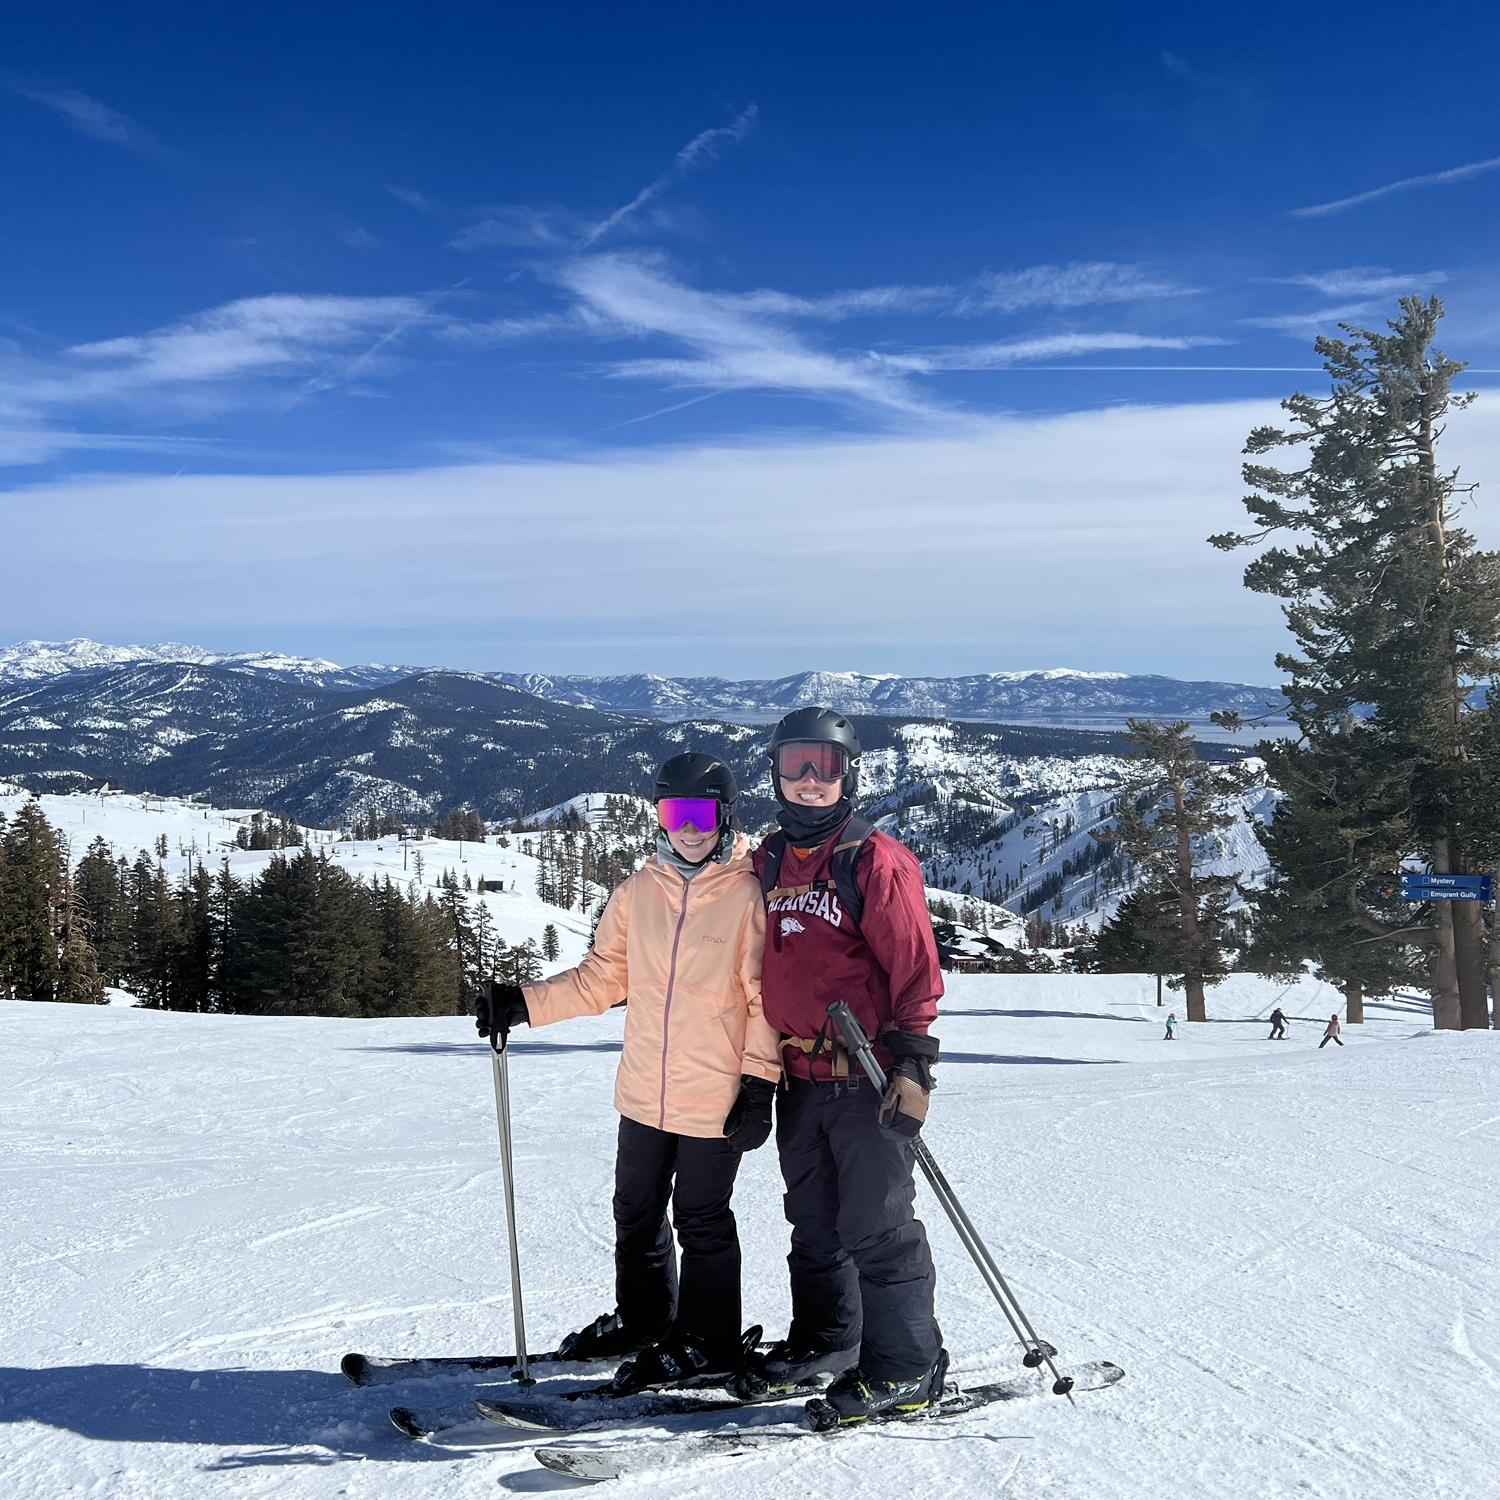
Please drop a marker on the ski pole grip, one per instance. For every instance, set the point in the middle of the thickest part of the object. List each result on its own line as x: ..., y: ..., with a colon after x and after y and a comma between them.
x: 856, y: 1041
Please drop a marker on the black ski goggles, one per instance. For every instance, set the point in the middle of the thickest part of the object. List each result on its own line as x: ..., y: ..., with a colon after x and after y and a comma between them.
x: 798, y: 758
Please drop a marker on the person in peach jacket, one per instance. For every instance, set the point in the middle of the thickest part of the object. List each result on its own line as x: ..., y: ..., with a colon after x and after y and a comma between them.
x: 682, y: 939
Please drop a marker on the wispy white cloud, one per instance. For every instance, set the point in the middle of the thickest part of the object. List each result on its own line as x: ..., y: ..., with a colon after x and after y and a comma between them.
x: 520, y: 226
x: 730, y: 347
x: 1078, y: 284
x: 93, y: 118
x: 998, y: 356
x: 22, y: 446
x: 202, y: 365
x: 1405, y: 184
x: 253, y: 336
x: 874, y: 301
x: 1365, y: 281
x: 407, y: 313
x: 1320, y: 320
x: 578, y: 322
x: 700, y: 151
x: 411, y: 198
x: 357, y: 237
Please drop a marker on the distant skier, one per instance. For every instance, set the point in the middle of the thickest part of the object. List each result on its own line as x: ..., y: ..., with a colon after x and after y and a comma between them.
x: 683, y: 938
x: 847, y: 920
x: 1278, y: 1025
x: 1331, y: 1032
x: 1171, y: 1022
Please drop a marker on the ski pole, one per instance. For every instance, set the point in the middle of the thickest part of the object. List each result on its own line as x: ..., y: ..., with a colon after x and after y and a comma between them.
x: 500, y: 1065
x: 1038, y: 1352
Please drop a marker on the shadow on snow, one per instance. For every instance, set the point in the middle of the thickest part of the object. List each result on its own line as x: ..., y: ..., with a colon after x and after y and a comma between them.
x: 280, y: 1417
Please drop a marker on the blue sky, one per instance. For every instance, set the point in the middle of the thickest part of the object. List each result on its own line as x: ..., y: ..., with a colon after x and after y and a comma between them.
x: 672, y: 338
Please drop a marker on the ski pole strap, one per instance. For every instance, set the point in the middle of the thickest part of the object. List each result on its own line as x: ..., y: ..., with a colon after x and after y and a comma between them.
x: 815, y: 1046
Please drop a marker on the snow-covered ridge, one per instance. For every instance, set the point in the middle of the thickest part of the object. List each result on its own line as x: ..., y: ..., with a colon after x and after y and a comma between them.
x: 1055, y: 692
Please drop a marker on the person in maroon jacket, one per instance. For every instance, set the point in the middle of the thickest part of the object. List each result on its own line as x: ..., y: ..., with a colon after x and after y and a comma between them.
x: 861, y: 1270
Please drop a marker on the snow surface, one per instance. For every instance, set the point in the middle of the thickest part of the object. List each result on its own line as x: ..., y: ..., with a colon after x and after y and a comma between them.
x: 1291, y: 1251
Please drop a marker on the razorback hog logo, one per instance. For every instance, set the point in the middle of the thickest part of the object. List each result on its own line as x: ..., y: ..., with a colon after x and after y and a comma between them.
x: 818, y: 903
x: 791, y: 924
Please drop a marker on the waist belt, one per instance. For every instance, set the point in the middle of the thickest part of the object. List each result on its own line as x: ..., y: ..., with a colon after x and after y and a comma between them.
x: 838, y: 1053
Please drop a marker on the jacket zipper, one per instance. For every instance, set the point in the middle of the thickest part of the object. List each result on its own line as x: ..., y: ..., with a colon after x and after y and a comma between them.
x: 666, y: 1015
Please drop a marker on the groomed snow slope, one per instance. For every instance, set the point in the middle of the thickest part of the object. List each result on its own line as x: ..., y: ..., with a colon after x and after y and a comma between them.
x: 1291, y: 1251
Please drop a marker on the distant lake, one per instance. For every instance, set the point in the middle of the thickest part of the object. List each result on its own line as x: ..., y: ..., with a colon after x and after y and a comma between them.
x: 1203, y: 729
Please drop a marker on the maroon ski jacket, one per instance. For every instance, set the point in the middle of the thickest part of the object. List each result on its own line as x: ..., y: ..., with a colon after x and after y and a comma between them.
x: 887, y: 970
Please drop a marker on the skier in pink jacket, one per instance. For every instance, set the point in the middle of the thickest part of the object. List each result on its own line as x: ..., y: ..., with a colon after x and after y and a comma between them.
x: 682, y: 938
x: 1331, y: 1032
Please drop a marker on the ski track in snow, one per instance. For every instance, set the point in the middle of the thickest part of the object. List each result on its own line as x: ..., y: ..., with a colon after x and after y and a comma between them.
x: 1290, y: 1251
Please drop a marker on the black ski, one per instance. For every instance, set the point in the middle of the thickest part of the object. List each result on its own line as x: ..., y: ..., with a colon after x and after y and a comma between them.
x: 537, y: 1414
x: 642, y: 1454
x: 371, y: 1369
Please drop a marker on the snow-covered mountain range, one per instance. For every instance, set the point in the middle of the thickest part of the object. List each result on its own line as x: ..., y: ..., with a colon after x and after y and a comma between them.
x: 1000, y: 813
x: 40, y: 661
x: 1057, y: 692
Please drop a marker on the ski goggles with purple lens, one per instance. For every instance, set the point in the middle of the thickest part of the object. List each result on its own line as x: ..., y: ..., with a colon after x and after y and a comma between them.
x: 796, y: 758
x: 675, y: 813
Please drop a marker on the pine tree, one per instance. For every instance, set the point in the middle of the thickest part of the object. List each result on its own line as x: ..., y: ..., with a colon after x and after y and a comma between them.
x: 1339, y: 834
x: 551, y: 944
x: 1395, y: 611
x: 44, y: 951
x: 1141, y: 937
x: 1169, y: 804
x: 78, y: 978
x: 461, y: 935
x: 528, y: 962
x: 101, y: 903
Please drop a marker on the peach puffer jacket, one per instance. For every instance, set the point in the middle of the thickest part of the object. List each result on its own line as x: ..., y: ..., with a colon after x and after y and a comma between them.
x: 687, y: 954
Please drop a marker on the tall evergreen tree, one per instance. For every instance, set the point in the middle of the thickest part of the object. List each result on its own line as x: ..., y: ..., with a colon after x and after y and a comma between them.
x: 101, y: 902
x: 78, y: 978
x: 1395, y: 611
x: 1168, y: 806
x: 44, y: 950
x: 1339, y: 833
x: 1142, y: 936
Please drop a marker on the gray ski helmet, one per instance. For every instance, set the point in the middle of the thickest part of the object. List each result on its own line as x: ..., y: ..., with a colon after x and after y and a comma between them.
x: 822, y: 726
x: 694, y: 774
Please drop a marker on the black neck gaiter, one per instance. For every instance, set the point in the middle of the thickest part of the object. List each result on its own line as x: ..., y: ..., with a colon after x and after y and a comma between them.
x: 807, y: 827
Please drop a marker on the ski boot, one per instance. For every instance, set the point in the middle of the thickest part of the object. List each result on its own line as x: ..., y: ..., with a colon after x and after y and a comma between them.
x: 679, y: 1360
x: 854, y: 1397
x: 605, y: 1338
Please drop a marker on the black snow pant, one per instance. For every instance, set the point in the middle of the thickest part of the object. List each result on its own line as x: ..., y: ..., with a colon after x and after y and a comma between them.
x: 861, y: 1269
x: 706, y: 1308
x: 1277, y: 1030
x: 1329, y: 1038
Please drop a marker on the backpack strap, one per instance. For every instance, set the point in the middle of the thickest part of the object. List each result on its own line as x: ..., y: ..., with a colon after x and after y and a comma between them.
x: 774, y: 849
x: 844, y: 879
x: 845, y: 859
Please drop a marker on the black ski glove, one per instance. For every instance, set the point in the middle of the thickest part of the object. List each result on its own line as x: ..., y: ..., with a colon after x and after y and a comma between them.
x: 498, y: 1007
x: 748, y: 1122
x: 909, y: 1082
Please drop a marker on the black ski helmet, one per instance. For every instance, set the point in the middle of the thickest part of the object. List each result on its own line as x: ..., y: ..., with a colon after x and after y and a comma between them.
x: 694, y: 774
x: 822, y: 726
